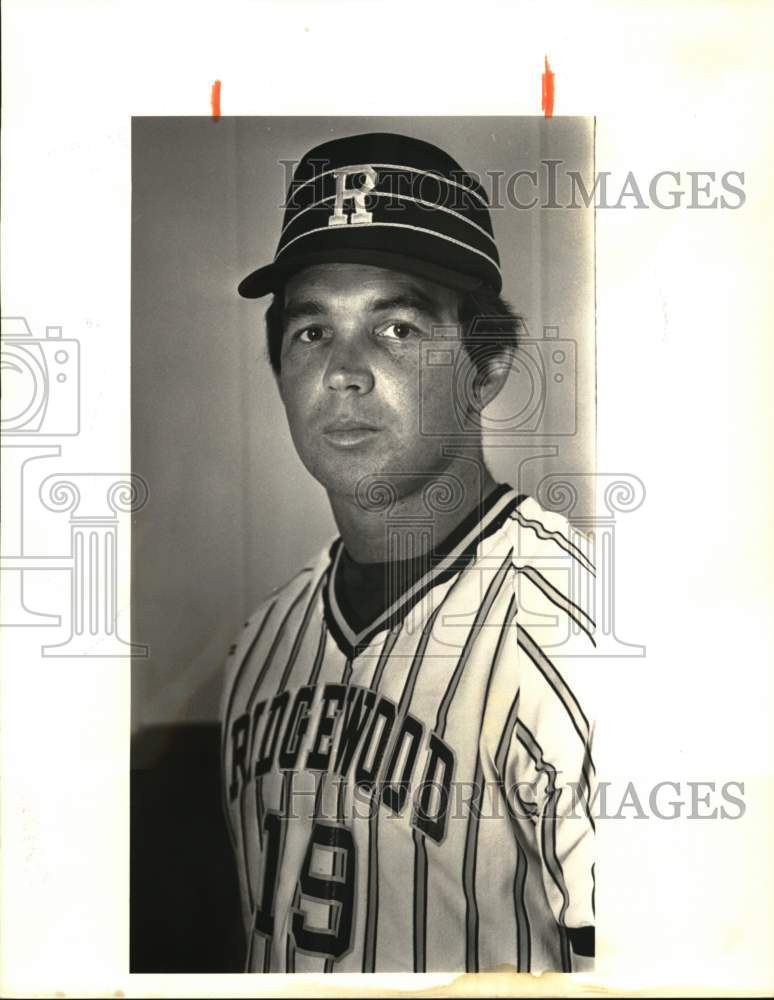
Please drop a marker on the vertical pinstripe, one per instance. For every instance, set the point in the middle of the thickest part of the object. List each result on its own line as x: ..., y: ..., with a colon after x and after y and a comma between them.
x: 420, y: 901
x: 471, y: 839
x: 315, y: 673
x: 286, y: 799
x: 345, y: 680
x: 290, y: 946
x: 564, y: 948
x: 372, y: 889
x: 481, y: 615
x: 312, y: 603
x: 523, y: 942
x: 272, y: 651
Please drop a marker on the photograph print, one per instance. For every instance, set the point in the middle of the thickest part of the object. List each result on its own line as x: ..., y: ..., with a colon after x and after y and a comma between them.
x: 363, y: 370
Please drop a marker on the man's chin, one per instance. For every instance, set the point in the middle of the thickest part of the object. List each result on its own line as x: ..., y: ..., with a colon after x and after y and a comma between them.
x: 346, y: 479
x: 374, y: 486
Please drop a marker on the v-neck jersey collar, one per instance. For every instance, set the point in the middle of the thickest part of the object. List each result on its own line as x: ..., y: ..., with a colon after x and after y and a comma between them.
x: 447, y: 559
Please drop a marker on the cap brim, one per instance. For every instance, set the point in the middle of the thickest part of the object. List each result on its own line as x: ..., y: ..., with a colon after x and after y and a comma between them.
x: 273, y: 276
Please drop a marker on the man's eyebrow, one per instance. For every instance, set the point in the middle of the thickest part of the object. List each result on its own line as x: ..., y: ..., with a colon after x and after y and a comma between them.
x: 302, y: 307
x: 413, y: 299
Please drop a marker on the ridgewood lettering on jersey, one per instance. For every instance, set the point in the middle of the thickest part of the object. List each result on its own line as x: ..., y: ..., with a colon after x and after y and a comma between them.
x: 370, y: 744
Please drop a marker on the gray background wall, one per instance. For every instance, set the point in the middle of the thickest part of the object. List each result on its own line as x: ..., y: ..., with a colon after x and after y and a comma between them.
x: 232, y: 512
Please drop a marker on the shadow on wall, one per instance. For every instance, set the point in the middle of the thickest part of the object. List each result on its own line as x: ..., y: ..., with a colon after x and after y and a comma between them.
x: 184, y: 897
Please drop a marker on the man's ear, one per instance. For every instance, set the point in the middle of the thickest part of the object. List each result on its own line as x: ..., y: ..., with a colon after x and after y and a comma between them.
x: 490, y: 381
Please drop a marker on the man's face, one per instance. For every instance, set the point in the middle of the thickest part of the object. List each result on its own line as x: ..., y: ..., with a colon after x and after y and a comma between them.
x: 350, y: 375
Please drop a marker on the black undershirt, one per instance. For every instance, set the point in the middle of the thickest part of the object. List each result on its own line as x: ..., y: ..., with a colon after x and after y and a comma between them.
x: 365, y: 590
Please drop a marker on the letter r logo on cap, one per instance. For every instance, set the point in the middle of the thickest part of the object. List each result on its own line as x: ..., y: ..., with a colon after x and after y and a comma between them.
x: 360, y: 216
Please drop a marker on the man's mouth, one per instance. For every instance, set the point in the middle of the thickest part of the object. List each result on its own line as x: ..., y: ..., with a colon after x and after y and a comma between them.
x: 347, y: 433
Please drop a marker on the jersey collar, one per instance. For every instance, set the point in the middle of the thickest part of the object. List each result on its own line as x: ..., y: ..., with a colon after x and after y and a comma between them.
x: 456, y: 552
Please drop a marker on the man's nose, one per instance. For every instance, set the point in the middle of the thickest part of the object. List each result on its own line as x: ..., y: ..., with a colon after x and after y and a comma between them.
x: 348, y: 368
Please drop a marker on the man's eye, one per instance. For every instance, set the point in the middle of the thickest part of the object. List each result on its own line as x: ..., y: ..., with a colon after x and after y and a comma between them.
x: 311, y: 334
x: 395, y: 331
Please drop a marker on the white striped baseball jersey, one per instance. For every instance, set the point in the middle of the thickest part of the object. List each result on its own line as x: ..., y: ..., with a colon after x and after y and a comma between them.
x: 416, y: 797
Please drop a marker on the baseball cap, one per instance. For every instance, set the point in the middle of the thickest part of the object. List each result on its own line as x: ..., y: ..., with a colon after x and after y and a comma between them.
x: 387, y: 200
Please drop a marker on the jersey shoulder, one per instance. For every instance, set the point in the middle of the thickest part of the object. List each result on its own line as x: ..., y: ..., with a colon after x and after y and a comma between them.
x: 537, y: 534
x: 265, y: 619
x: 288, y: 592
x: 554, y: 580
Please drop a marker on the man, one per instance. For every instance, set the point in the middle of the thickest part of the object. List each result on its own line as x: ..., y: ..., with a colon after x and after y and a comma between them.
x: 407, y: 773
